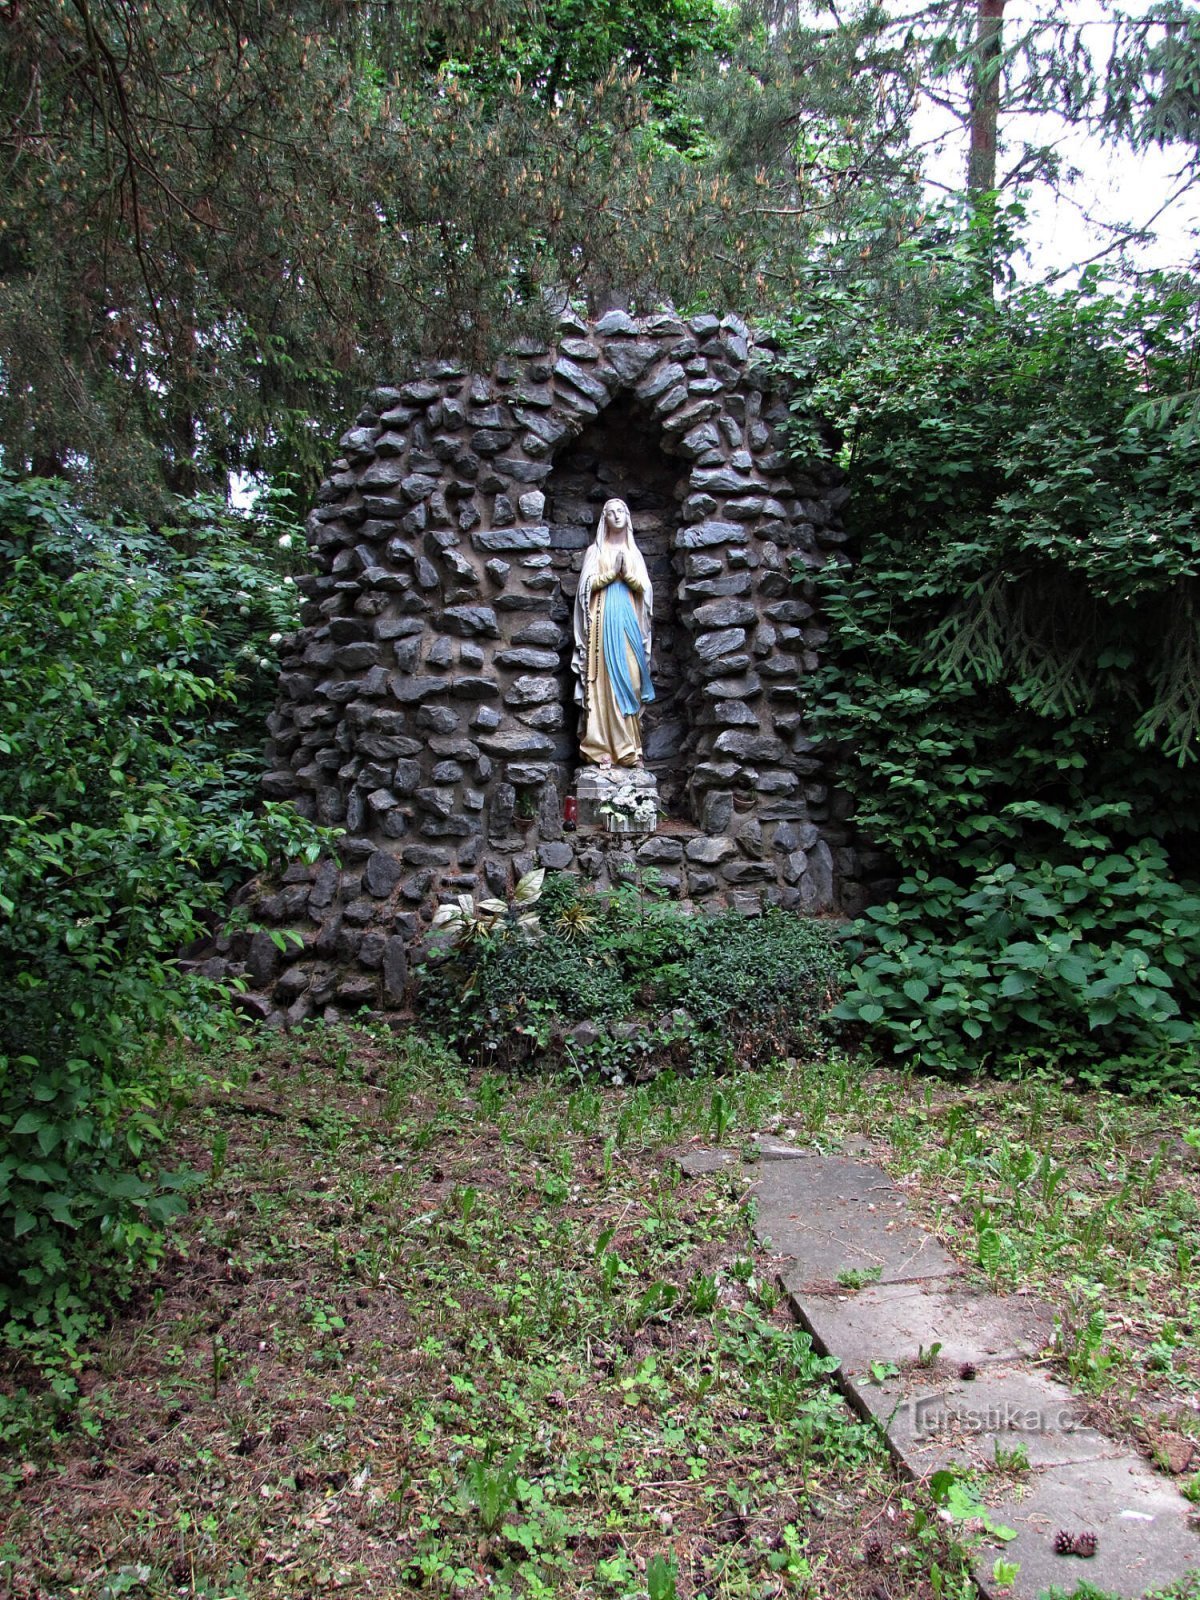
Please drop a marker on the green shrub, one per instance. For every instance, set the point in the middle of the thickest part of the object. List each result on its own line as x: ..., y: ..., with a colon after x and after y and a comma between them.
x: 119, y: 835
x: 705, y: 990
x: 1012, y: 683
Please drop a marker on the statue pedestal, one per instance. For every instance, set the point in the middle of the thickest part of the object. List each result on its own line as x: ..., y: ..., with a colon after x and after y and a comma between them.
x: 598, y: 786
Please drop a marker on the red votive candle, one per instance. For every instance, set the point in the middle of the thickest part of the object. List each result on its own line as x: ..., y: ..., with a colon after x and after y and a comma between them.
x: 570, y: 809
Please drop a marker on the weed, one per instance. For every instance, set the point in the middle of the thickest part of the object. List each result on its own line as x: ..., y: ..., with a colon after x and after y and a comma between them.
x: 1011, y: 1458
x: 858, y: 1277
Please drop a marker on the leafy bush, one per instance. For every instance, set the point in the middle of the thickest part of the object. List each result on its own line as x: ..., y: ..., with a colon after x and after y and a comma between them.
x: 119, y: 834
x: 1013, y: 678
x: 703, y: 990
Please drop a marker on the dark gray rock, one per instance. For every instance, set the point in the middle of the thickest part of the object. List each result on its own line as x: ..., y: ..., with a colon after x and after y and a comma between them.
x: 500, y: 810
x: 722, y: 480
x: 469, y: 687
x: 556, y: 857
x: 325, y: 886
x: 425, y: 855
x: 382, y: 874
x: 549, y: 718
x: 530, y: 691
x: 816, y: 883
x: 708, y: 646
x: 539, y: 633
x: 629, y: 361
x: 618, y: 322
x: 717, y: 811
x: 581, y: 380
x: 470, y: 621
x: 727, y: 612
x: 263, y: 959
x: 747, y: 746
x: 536, y: 660
x: 411, y: 690
x: 739, y: 688
x: 657, y: 850
x: 734, y: 713
x: 750, y: 839
x: 708, y: 852
x: 395, y: 971
x: 437, y: 719
x: 658, y: 383
x: 516, y: 538
x: 740, y: 872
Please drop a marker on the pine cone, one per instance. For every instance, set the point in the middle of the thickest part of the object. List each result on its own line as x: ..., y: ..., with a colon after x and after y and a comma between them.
x: 1085, y: 1544
x: 873, y: 1550
x: 968, y: 1370
x: 1064, y: 1543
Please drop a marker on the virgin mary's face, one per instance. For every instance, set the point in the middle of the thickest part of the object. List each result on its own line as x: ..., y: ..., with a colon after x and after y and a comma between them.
x: 616, y: 519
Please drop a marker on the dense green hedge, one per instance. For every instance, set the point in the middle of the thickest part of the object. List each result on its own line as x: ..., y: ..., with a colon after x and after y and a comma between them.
x: 697, y: 991
x: 1014, y: 670
x: 125, y: 687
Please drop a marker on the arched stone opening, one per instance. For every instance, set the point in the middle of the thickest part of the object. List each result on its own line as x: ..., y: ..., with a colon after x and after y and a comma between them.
x: 620, y: 454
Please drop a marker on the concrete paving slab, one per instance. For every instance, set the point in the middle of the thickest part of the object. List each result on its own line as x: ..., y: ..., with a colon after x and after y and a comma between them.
x: 698, y: 1162
x: 1143, y: 1537
x: 895, y: 1322
x: 768, y: 1148
x: 829, y: 1215
x: 933, y: 1420
x: 834, y: 1215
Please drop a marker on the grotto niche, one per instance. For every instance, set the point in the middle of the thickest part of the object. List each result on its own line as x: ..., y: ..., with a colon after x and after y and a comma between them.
x: 426, y: 706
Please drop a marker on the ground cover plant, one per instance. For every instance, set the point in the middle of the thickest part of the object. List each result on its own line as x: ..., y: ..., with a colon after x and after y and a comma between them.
x: 431, y: 1331
x: 651, y: 983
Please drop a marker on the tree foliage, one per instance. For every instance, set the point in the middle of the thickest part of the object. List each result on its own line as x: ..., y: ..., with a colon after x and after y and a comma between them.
x: 1015, y: 677
x: 220, y: 221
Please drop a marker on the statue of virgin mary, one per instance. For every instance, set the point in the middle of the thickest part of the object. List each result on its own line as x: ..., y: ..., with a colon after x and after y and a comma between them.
x: 613, y: 612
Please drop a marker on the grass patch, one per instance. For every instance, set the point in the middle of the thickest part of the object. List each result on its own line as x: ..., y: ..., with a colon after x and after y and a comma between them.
x: 436, y: 1332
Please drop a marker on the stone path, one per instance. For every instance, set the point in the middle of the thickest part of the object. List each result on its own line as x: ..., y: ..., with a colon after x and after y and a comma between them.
x: 950, y: 1373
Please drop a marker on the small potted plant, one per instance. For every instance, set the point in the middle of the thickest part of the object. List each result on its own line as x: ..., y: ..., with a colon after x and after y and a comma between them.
x: 629, y: 810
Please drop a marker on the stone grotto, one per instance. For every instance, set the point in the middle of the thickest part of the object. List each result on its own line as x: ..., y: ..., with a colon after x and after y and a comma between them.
x: 426, y: 706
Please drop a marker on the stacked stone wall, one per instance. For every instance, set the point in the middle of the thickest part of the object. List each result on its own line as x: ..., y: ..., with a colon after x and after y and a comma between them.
x: 427, y: 706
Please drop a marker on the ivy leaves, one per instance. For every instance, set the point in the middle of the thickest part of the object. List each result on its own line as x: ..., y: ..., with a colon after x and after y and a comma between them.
x: 1014, y: 673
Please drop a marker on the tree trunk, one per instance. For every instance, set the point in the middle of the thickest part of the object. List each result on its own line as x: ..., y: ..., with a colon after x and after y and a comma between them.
x: 985, y: 96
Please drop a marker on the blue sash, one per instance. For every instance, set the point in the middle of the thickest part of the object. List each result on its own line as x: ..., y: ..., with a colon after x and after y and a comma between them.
x: 621, y: 625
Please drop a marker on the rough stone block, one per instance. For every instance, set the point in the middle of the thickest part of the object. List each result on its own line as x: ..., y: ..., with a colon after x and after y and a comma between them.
x: 381, y: 874
x: 510, y: 742
x: 556, y: 857
x: 470, y: 621
x: 658, y: 850
x: 513, y: 539
x: 717, y: 811
x: 529, y: 691
x: 710, y: 646
x: 704, y: 535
